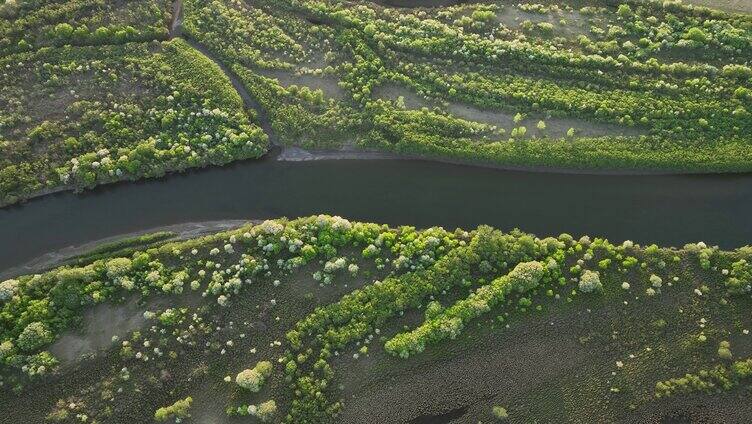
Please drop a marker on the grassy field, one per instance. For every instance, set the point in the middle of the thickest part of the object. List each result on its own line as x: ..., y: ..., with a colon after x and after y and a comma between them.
x: 323, y: 320
x: 591, y: 85
x: 366, y: 323
x: 94, y: 92
x: 77, y: 117
x: 730, y: 5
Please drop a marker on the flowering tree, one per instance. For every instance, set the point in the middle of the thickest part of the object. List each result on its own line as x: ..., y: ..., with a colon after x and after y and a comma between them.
x: 590, y: 281
x: 253, y: 379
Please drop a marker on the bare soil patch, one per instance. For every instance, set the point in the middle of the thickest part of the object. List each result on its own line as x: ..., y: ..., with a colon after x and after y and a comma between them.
x: 327, y: 84
x: 555, y: 127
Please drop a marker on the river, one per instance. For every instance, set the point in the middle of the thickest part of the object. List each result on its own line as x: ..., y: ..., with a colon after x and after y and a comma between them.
x: 669, y: 210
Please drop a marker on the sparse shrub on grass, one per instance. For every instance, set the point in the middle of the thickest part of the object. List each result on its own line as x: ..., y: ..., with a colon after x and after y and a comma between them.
x: 724, y: 350
x: 590, y: 282
x: 178, y: 410
x: 500, y: 413
x: 473, y: 273
x: 717, y: 379
x: 253, y: 379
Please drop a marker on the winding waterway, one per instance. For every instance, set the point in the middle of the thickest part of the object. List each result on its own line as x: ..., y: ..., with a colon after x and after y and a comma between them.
x: 669, y: 210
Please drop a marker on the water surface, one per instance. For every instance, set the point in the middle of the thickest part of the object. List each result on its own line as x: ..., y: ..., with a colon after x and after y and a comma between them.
x: 669, y: 210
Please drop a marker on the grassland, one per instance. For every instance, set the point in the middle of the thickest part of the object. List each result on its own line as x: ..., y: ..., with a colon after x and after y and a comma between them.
x: 366, y: 323
x: 730, y: 5
x: 84, y: 104
x: 592, y: 84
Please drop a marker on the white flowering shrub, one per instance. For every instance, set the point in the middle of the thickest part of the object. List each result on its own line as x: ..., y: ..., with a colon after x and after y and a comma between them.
x: 175, y: 283
x: 371, y: 251
x: 6, y: 349
x: 8, y: 289
x: 402, y: 262
x: 335, y: 265
x: 590, y: 281
x: 270, y: 227
x: 295, y: 245
x: 336, y: 223
x: 39, y: 363
x: 656, y: 281
x: 127, y: 283
x: 118, y: 267
x: 172, y: 316
x: 249, y: 379
x: 525, y: 276
x: 34, y: 336
x: 253, y: 379
x: 266, y: 410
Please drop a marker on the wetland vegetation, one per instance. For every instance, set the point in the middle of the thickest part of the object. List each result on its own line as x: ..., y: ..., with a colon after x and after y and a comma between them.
x: 320, y: 319
x: 431, y: 317
x: 96, y: 92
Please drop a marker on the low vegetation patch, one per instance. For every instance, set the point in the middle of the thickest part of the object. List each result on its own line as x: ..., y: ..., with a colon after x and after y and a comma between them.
x: 668, y: 80
x: 321, y: 319
x: 94, y: 92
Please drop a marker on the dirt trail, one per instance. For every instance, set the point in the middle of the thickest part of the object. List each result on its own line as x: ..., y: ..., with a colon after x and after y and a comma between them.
x: 176, y: 30
x: 176, y: 25
x: 248, y: 100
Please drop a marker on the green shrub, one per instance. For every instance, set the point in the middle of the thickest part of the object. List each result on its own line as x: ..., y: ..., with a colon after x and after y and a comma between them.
x: 500, y: 413
x: 178, y: 410
x: 253, y: 379
x: 34, y: 336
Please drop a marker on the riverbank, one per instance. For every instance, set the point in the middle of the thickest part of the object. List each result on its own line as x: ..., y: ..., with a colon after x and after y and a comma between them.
x: 669, y: 210
x: 161, y: 320
x: 486, y: 158
x: 298, y: 154
x: 62, y: 256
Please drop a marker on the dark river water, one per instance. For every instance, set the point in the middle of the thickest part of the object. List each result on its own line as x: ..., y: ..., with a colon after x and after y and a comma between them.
x: 669, y: 210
